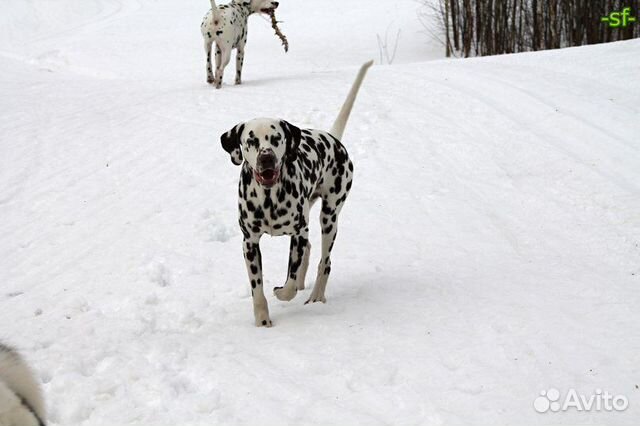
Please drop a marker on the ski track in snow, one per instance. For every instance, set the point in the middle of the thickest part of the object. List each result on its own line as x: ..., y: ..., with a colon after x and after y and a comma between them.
x: 489, y: 249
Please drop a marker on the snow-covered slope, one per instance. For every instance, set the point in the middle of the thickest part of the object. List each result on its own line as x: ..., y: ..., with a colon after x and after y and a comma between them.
x: 490, y: 248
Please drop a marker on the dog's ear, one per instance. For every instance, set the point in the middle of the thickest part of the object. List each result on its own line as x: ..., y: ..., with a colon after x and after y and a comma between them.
x: 231, y: 143
x: 292, y: 135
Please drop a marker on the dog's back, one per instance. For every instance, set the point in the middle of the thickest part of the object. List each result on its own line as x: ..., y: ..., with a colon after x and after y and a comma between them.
x: 226, y: 25
x: 21, y: 402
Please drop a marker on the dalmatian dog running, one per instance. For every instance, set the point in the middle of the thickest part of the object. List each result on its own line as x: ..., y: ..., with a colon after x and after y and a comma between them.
x: 227, y: 27
x: 285, y: 170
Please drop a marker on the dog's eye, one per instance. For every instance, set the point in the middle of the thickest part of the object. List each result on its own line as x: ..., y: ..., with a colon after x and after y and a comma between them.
x: 275, y: 140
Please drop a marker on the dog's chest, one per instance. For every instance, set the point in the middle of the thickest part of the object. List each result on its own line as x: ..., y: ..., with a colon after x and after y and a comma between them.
x: 281, y: 210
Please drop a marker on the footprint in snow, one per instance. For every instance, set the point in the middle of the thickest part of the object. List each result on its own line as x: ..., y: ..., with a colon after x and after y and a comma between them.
x: 216, y: 228
x: 159, y: 273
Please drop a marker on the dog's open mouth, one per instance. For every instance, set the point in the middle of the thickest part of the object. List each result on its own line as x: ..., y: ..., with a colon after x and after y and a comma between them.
x: 267, y: 177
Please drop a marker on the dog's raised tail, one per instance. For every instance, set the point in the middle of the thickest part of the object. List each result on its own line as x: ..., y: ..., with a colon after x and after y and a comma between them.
x: 338, y: 126
x: 215, y: 10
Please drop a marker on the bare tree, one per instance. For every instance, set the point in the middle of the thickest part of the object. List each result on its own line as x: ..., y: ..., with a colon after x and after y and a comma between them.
x: 489, y: 27
x: 387, y: 53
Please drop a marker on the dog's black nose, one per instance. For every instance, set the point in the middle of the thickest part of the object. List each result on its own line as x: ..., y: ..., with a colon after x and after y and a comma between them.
x: 275, y: 3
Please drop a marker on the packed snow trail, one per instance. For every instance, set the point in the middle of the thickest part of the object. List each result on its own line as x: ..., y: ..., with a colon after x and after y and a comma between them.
x: 489, y: 249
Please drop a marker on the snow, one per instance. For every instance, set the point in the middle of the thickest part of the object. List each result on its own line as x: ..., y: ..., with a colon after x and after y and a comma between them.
x: 490, y: 247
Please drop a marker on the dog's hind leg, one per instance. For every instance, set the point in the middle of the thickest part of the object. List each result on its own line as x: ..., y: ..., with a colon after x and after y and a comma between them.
x: 218, y: 56
x: 329, y: 224
x: 239, y: 61
x: 297, y: 252
x: 253, y: 260
x: 307, y: 251
x: 303, y: 268
x: 207, y: 50
x: 223, y: 56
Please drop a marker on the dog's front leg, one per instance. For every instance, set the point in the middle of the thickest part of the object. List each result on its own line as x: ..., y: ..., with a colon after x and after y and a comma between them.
x: 296, y: 269
x: 253, y: 260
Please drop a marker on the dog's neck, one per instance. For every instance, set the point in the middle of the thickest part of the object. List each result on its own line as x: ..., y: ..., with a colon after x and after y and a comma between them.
x: 243, y: 8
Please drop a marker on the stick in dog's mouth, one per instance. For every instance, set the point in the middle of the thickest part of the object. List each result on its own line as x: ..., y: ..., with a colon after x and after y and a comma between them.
x: 274, y: 25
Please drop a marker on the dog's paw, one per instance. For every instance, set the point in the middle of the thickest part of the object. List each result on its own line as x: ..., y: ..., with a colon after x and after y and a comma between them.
x: 210, y: 80
x: 285, y: 293
x: 261, y: 314
x: 263, y: 320
x: 238, y: 81
x: 263, y: 323
x: 316, y: 299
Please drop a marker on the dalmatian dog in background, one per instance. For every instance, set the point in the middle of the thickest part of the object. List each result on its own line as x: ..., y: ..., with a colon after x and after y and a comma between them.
x: 227, y: 27
x: 285, y: 170
x: 21, y: 402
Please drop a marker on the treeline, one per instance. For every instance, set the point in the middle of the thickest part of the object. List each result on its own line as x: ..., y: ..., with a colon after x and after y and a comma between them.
x: 490, y: 27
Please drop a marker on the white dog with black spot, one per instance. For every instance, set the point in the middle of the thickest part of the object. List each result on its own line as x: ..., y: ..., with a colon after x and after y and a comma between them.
x: 226, y: 26
x: 285, y: 170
